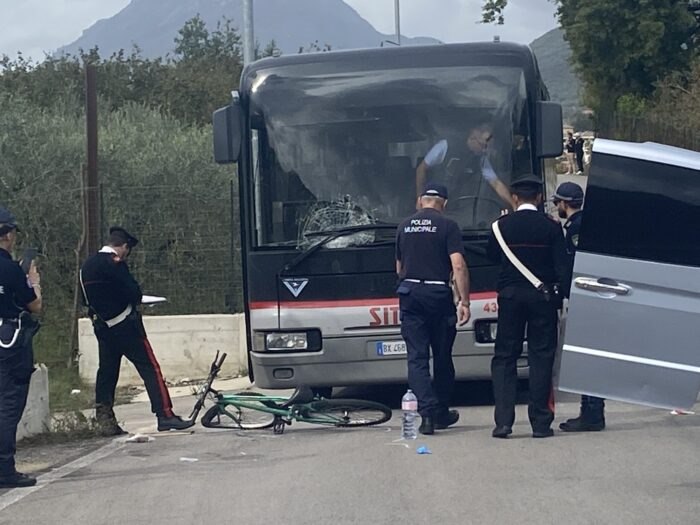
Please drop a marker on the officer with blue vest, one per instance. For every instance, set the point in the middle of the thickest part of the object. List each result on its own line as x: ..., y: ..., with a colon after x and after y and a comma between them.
x: 20, y: 296
x: 429, y: 250
x: 569, y: 200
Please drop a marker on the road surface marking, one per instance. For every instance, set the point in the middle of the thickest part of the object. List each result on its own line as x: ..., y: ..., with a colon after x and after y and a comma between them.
x: 15, y: 495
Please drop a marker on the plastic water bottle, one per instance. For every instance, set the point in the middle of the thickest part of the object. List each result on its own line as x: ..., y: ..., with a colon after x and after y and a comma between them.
x: 409, y: 405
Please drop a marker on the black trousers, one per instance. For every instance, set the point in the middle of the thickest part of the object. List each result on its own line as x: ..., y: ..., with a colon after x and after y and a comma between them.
x: 16, y: 367
x: 128, y: 339
x: 579, y: 161
x: 516, y: 317
x: 429, y: 321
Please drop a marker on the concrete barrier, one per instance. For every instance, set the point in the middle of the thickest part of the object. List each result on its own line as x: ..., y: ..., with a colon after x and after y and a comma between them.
x: 36, y: 418
x: 184, y: 346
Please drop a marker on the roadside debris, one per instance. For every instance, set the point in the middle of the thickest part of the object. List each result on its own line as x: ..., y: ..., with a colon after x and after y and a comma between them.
x: 140, y: 438
x: 423, y: 450
x: 679, y: 412
x: 189, y: 460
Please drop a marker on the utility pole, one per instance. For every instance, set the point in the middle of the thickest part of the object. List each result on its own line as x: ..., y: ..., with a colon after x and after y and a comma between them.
x: 248, y: 33
x: 92, y: 186
x: 397, y: 19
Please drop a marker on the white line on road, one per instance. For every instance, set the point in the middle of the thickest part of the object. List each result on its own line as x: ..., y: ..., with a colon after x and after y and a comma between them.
x: 44, y: 480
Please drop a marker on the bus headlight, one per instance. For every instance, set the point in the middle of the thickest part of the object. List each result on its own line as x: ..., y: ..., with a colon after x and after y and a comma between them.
x: 485, y: 331
x: 288, y: 341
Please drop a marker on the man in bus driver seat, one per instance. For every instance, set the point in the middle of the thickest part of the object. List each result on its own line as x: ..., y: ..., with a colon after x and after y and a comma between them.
x: 459, y: 166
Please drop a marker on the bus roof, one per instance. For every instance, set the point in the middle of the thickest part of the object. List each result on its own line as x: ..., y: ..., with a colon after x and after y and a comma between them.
x: 495, y: 53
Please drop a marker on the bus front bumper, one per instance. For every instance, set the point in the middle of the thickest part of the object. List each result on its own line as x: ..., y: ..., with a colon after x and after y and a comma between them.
x: 349, y: 361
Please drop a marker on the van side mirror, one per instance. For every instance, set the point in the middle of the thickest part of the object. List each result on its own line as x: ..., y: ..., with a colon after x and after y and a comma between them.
x: 227, y: 123
x: 549, y: 122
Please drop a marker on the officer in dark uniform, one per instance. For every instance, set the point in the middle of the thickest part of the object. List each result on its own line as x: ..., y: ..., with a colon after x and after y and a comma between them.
x: 569, y: 201
x: 113, y: 296
x: 428, y: 249
x: 20, y: 296
x: 538, y: 243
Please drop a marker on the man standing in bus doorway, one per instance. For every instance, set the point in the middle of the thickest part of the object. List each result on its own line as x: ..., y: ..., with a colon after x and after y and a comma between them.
x: 533, y: 260
x: 428, y: 249
x: 464, y: 166
x: 569, y: 200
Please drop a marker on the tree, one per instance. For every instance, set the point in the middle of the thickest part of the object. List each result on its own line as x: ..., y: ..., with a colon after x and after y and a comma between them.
x: 621, y: 48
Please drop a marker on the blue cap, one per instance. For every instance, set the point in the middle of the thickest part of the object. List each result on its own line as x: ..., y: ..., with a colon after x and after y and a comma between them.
x: 434, y: 189
x: 568, y: 192
x: 8, y: 222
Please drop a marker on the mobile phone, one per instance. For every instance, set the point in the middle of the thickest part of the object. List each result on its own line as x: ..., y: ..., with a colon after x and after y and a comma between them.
x: 27, y: 257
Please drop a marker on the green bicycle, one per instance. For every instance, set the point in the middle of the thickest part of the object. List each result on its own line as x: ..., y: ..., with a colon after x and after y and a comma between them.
x: 254, y: 411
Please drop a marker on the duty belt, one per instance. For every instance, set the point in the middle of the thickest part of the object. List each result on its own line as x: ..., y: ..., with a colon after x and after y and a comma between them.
x: 421, y: 281
x: 119, y: 318
x: 15, y: 335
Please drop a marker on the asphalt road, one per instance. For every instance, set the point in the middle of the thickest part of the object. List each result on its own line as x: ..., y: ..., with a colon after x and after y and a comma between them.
x: 643, y: 469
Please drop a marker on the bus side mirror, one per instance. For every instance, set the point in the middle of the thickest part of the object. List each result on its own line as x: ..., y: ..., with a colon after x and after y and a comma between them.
x: 227, y: 134
x: 549, y: 128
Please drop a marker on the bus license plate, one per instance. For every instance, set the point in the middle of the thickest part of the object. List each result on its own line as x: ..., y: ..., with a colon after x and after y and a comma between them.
x: 391, y: 348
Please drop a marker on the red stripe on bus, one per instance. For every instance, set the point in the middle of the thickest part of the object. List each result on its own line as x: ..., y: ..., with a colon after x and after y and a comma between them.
x: 389, y: 301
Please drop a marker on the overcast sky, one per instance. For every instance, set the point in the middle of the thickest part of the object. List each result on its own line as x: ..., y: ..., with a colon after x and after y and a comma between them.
x: 35, y: 26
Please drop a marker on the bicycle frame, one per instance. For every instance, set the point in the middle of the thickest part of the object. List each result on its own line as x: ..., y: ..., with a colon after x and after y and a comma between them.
x: 292, y: 413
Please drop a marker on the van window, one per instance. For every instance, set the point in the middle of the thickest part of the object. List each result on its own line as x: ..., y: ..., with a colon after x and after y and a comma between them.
x: 642, y: 210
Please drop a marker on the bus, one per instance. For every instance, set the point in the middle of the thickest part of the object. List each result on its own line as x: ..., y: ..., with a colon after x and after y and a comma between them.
x: 330, y: 148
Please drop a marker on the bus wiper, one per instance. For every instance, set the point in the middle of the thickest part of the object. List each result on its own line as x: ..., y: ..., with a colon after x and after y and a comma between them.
x: 332, y: 235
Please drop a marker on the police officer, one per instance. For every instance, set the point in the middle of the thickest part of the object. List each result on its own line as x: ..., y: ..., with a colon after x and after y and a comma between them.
x: 569, y: 201
x: 428, y: 249
x: 537, y: 242
x: 463, y: 165
x: 113, y: 296
x: 20, y: 296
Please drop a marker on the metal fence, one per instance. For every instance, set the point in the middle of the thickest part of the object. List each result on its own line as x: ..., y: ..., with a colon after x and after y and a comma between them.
x: 641, y: 129
x: 189, y: 252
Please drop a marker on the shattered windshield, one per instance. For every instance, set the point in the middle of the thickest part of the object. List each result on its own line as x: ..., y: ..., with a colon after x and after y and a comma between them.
x: 353, y: 148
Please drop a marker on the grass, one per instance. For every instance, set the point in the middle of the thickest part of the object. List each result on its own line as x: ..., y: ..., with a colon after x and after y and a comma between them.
x: 71, y: 415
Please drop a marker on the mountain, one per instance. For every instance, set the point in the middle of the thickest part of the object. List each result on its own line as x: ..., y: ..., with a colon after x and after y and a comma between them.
x: 153, y: 25
x: 553, y: 55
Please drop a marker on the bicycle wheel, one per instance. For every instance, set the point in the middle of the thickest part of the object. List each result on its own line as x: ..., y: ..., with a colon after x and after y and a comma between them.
x: 347, y: 412
x: 235, y: 417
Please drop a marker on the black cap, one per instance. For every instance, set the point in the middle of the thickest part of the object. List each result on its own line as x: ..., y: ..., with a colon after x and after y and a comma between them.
x: 434, y: 189
x: 568, y: 192
x: 8, y: 222
x: 527, y: 181
x: 124, y: 236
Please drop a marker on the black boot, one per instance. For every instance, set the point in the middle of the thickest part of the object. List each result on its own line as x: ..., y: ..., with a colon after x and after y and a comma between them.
x: 173, y: 423
x: 446, y: 419
x: 427, y: 425
x: 590, y: 419
x: 16, y: 480
x: 107, y: 425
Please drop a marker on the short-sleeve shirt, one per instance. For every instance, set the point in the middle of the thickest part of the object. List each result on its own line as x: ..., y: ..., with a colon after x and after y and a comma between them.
x: 15, y: 290
x: 424, y: 243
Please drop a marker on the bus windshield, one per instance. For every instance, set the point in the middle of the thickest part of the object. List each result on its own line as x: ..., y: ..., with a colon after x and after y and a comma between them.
x: 333, y: 150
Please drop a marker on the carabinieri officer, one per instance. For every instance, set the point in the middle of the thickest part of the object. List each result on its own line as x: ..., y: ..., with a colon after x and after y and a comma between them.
x: 113, y: 296
x: 537, y: 243
x: 428, y: 249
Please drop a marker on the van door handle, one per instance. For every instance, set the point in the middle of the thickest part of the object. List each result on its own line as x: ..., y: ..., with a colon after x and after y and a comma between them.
x: 601, y: 285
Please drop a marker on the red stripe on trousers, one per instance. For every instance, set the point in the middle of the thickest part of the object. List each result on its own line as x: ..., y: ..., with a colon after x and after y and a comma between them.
x: 167, y: 403
x: 552, y: 401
